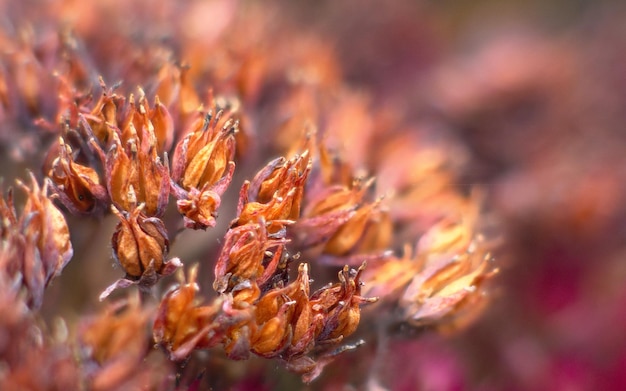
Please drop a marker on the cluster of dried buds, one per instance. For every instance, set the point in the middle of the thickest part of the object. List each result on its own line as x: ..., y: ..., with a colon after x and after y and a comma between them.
x: 352, y: 186
x: 115, y: 156
x: 36, y: 246
x: 258, y: 309
x: 115, y: 349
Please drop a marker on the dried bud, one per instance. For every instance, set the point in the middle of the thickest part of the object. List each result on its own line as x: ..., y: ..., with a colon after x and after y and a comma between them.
x: 115, y: 345
x: 140, y: 243
x: 362, y: 223
x: 340, y: 306
x: 335, y: 168
x: 444, y: 276
x: 283, y: 319
x: 182, y: 326
x: 8, y: 216
x: 304, y: 322
x: 43, y: 223
x: 203, y: 167
x: 135, y: 174
x: 176, y: 89
x: 163, y: 125
x: 199, y: 207
x: 245, y: 294
x: 243, y: 254
x: 19, y: 255
x: 275, y: 193
x: 4, y: 94
x: 271, y: 335
x: 340, y: 223
x: 449, y: 288
x: 203, y: 156
x: 296, y: 134
x: 78, y: 187
x: 28, y: 78
x: 30, y: 360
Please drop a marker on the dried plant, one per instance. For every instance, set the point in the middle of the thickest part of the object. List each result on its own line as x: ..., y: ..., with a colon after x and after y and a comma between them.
x: 338, y: 187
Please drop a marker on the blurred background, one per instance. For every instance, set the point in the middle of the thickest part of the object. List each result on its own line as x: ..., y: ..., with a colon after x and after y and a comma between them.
x: 534, y: 94
x: 536, y: 91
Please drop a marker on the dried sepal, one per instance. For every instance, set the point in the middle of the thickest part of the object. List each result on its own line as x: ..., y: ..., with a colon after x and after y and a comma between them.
x: 136, y: 174
x: 103, y: 117
x: 77, y: 186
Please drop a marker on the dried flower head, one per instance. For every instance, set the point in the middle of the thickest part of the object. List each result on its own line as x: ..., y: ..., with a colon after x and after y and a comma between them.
x: 78, y: 186
x: 331, y: 177
x: 443, y: 279
x: 181, y: 325
x: 114, y: 347
x: 37, y: 244
x: 203, y: 155
x: 203, y: 167
x: 245, y: 256
x: 140, y: 246
x: 275, y: 193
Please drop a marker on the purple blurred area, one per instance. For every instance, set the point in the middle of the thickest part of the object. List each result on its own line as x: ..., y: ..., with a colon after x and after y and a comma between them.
x: 537, y: 93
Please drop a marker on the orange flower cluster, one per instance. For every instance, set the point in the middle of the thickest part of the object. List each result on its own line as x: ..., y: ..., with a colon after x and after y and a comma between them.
x: 442, y: 278
x: 353, y: 184
x: 35, y: 247
x: 113, y: 348
x: 119, y: 161
x: 258, y: 309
